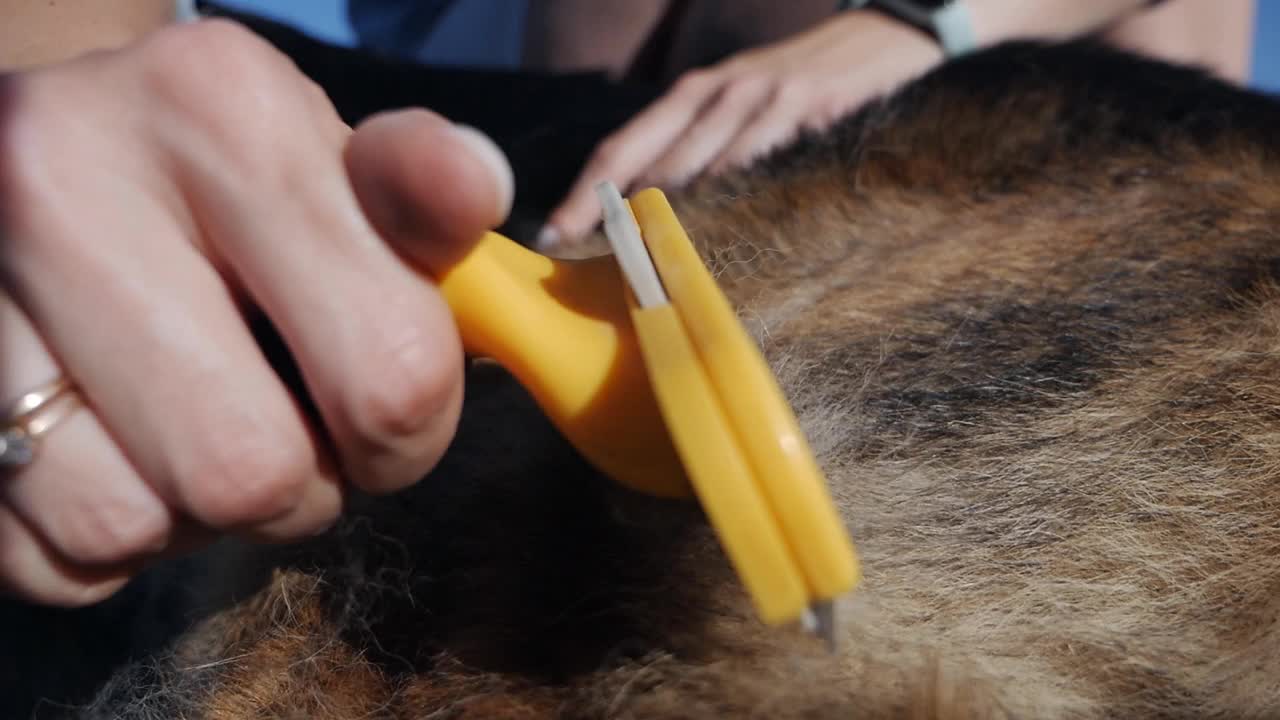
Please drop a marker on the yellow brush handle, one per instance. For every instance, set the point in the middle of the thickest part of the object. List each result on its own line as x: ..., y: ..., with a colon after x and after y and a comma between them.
x: 562, y: 328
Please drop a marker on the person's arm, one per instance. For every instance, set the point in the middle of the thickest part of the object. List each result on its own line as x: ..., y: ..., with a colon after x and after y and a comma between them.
x: 36, y: 32
x: 568, y: 35
x: 732, y: 111
x: 1217, y: 36
x: 996, y: 21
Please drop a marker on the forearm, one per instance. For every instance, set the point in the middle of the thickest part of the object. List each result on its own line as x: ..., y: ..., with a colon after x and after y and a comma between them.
x: 1217, y: 36
x: 996, y: 21
x: 35, y: 32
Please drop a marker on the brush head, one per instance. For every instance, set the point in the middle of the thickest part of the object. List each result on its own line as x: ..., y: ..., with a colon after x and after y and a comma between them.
x: 732, y: 427
x: 641, y: 363
x: 628, y: 247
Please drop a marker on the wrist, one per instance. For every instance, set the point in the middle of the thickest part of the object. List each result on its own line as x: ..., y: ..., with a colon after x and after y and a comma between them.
x: 998, y: 21
x: 946, y: 22
x: 886, y: 48
x: 960, y: 26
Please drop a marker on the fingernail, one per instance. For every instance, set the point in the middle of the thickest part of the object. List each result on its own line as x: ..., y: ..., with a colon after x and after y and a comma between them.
x: 488, y: 152
x: 548, y: 238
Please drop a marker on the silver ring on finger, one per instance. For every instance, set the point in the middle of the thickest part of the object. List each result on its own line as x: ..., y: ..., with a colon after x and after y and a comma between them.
x: 34, y: 415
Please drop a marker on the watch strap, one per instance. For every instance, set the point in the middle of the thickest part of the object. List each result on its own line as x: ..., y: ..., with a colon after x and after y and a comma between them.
x: 954, y: 28
x: 950, y: 24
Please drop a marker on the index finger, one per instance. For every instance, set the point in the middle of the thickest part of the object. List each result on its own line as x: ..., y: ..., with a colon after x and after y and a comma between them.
x: 627, y: 153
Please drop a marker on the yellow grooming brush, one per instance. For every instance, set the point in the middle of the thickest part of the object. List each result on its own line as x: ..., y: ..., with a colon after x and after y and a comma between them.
x: 650, y: 375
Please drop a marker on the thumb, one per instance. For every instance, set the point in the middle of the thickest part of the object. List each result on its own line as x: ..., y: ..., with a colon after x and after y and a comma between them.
x: 429, y: 187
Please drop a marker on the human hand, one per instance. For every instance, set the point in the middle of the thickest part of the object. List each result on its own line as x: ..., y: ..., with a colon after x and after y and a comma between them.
x: 730, y: 113
x: 151, y: 198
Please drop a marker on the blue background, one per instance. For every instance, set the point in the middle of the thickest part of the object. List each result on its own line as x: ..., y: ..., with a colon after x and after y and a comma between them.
x: 461, y: 37
x: 1266, y: 47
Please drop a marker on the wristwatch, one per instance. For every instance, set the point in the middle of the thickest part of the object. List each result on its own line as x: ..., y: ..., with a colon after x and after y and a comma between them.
x: 946, y: 20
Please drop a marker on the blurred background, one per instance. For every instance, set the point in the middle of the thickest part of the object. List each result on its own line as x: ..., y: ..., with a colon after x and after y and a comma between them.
x: 485, y: 33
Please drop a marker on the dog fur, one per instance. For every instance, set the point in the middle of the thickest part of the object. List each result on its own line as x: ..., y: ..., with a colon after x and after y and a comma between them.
x: 1026, y: 311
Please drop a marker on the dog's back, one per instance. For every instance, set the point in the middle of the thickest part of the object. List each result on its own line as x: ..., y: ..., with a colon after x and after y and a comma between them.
x: 1027, y: 314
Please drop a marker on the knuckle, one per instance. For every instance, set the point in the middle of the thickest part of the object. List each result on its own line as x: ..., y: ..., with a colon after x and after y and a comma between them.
x: 316, y: 514
x: 86, y: 594
x: 30, y: 146
x: 67, y: 593
x: 747, y: 88
x: 792, y: 91
x: 832, y: 111
x: 256, y: 114
x: 410, y: 386
x: 694, y: 82
x: 109, y: 533
x: 241, y: 481
x: 30, y: 572
x: 608, y: 155
x: 196, y: 50
x: 324, y: 513
x: 219, y: 76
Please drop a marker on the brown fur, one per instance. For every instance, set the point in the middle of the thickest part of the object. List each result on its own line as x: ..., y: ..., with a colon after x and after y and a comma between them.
x: 1026, y: 312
